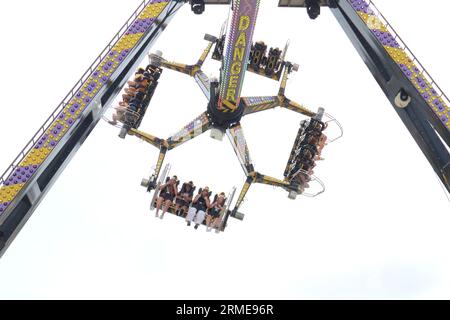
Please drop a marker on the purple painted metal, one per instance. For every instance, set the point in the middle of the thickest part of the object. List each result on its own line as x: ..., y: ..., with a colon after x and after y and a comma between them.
x: 237, y: 53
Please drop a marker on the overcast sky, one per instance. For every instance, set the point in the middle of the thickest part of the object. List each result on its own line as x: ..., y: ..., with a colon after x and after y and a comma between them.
x: 379, y: 231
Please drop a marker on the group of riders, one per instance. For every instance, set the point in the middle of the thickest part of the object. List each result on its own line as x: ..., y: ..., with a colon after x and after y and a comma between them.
x: 195, y: 209
x: 137, y: 96
x: 308, y: 149
x: 200, y: 209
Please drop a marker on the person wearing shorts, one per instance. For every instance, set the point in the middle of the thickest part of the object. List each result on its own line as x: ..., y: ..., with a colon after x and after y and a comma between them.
x: 214, y: 212
x: 197, y: 212
x: 184, y: 199
x: 167, y: 194
x: 136, y: 101
x: 320, y: 145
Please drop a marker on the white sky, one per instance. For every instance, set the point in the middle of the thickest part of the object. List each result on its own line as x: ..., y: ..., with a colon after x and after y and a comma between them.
x: 379, y: 231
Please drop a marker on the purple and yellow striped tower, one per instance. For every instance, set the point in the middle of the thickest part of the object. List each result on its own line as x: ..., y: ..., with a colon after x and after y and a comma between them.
x: 32, y: 173
x: 399, y: 54
x: 81, y: 100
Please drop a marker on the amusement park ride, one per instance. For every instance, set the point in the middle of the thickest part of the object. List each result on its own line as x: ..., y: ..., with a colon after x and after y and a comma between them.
x: 415, y: 96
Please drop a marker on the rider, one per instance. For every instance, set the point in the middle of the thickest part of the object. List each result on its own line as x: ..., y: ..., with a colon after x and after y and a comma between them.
x: 141, y: 86
x: 200, y: 205
x: 320, y: 145
x: 168, y: 192
x: 184, y: 198
x: 214, y: 212
x: 154, y: 71
x: 317, y: 125
x: 133, y: 96
x: 120, y: 113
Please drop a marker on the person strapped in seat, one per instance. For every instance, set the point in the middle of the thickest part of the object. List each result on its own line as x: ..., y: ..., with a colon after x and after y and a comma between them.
x: 306, y: 151
x: 197, y: 212
x: 313, y: 136
x: 139, y: 87
x: 121, y: 114
x: 155, y: 72
x: 316, y: 125
x: 316, y: 140
x: 214, y: 211
x: 167, y: 194
x: 184, y: 198
x: 304, y: 172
